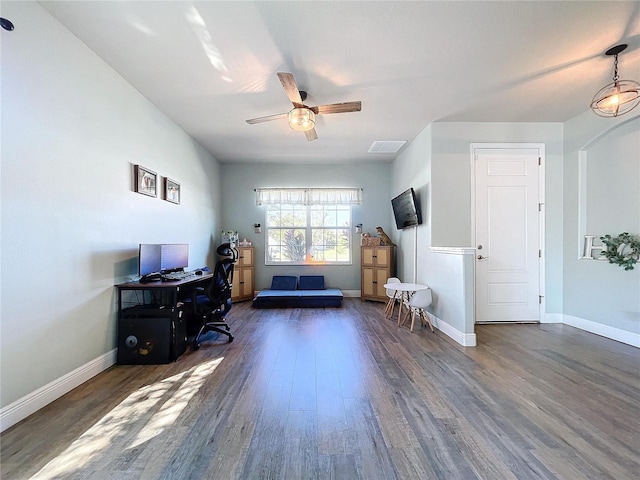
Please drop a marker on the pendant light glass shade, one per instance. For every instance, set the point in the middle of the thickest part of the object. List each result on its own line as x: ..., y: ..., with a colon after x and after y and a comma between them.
x: 302, y: 119
x: 618, y: 97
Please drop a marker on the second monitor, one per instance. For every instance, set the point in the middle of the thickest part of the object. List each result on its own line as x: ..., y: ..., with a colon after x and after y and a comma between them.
x: 160, y: 258
x: 174, y: 256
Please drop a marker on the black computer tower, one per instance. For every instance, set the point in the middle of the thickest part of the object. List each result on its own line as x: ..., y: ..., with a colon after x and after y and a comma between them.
x: 150, y: 337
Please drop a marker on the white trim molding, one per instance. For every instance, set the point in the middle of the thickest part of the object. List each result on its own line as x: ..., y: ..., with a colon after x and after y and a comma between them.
x: 613, y: 333
x: 623, y: 336
x: 464, y: 339
x: 551, y: 318
x: 351, y: 293
x: 31, y: 403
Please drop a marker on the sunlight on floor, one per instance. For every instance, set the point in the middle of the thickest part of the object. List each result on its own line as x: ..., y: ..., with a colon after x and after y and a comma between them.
x: 114, y: 429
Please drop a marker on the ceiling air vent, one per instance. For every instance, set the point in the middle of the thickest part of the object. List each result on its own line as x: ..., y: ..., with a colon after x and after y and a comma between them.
x: 386, y: 146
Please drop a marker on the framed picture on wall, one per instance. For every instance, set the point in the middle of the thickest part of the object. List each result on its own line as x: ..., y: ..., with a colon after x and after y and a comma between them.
x: 146, y: 181
x: 171, y: 191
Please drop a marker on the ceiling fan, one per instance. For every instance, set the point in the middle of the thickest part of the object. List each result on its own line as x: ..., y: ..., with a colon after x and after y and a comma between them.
x: 302, y: 117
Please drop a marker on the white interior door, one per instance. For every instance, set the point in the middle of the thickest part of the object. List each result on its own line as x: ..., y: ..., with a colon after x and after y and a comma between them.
x: 507, y: 232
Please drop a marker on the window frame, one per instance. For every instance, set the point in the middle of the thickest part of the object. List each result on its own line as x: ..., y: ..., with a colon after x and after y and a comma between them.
x: 309, y: 229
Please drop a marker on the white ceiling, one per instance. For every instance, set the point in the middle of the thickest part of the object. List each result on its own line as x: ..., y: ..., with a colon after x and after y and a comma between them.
x: 211, y: 65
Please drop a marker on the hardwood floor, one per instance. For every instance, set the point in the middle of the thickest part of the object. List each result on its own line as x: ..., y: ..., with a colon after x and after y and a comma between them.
x: 346, y: 394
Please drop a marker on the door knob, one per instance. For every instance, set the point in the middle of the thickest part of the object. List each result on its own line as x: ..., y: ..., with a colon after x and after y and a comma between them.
x: 480, y: 257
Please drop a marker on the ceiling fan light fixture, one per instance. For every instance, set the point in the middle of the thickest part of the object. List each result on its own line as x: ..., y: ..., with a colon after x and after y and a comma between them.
x: 302, y: 119
x: 618, y: 97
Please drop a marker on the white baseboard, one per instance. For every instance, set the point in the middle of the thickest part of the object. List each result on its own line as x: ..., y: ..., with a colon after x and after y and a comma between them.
x: 22, y: 408
x: 607, y: 331
x: 464, y: 339
x: 351, y: 293
x: 551, y: 318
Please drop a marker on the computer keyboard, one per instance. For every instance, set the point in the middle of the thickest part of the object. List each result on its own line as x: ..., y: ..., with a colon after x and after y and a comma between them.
x: 177, y: 276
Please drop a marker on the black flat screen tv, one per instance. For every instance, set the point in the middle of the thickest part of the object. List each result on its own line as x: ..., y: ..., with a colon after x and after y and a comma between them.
x: 405, y: 210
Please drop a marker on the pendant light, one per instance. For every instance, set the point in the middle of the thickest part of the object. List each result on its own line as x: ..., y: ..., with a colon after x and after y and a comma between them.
x: 618, y: 97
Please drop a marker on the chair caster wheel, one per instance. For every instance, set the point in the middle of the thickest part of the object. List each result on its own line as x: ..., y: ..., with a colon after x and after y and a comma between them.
x: 230, y: 338
x: 195, y: 346
x: 227, y: 327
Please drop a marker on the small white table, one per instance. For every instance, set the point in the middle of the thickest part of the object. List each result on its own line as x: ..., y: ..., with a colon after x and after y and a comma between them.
x: 406, y: 290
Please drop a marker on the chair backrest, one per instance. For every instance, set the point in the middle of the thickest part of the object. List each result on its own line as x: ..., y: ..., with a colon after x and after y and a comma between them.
x: 226, y: 250
x: 391, y: 293
x: 421, y: 298
x: 219, y: 288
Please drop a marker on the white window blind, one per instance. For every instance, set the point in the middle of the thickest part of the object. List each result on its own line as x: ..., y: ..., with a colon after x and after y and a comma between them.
x: 308, y: 196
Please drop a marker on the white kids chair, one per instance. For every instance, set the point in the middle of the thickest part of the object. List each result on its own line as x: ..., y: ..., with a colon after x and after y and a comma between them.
x: 393, y: 295
x: 418, y: 305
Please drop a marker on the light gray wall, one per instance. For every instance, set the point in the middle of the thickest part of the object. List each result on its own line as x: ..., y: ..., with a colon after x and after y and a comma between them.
x: 412, y: 169
x: 437, y: 163
x: 451, y: 196
x: 240, y: 211
x: 71, y: 130
x: 598, y: 291
x: 443, y: 273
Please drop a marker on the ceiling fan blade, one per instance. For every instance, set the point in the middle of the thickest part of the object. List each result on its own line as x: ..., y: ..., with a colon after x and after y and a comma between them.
x: 337, y: 108
x: 311, y: 135
x: 291, y: 88
x: 268, y: 118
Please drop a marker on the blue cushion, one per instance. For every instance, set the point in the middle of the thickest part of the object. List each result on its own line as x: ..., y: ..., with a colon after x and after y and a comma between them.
x: 284, y: 282
x: 311, y: 282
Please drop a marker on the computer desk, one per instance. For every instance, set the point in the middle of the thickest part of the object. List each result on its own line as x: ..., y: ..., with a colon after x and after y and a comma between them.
x: 166, y: 293
x: 151, y: 326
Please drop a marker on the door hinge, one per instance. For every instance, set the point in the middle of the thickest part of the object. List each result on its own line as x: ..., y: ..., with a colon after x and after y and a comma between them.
x: 539, y: 161
x: 540, y: 297
x: 540, y: 206
x: 539, y: 253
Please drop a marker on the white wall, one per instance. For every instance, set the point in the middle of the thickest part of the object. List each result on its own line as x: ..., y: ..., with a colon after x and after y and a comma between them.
x: 71, y: 130
x: 599, y: 296
x: 240, y: 211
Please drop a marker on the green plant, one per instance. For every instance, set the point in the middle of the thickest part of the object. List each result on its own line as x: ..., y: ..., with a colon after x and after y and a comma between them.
x: 623, y: 250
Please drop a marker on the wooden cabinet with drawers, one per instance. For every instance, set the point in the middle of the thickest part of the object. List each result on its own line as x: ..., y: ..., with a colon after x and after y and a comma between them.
x: 243, y: 275
x: 376, y: 267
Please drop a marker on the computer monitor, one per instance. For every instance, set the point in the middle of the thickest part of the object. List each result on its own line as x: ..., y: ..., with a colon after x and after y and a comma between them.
x: 175, y: 256
x: 149, y: 258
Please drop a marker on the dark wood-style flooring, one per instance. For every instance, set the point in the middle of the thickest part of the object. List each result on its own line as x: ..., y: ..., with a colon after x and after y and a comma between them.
x: 346, y: 394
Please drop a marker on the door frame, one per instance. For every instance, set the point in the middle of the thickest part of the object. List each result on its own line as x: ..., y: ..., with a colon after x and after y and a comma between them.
x: 541, y: 215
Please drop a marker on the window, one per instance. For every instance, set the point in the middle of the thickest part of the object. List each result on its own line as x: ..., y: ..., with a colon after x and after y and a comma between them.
x: 308, y: 226
x: 299, y: 234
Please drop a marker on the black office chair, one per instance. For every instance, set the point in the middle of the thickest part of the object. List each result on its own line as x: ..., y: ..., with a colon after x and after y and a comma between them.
x: 210, y: 304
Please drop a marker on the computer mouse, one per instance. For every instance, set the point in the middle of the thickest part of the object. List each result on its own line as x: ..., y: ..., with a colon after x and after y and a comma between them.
x: 198, y: 272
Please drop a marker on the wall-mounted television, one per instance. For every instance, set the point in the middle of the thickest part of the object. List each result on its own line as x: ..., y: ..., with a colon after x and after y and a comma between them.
x: 406, y: 210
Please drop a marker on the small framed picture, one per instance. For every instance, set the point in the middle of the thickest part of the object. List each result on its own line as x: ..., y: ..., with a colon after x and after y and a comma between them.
x: 171, y: 191
x: 146, y: 181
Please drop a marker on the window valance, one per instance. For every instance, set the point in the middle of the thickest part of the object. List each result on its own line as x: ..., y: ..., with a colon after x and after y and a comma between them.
x: 309, y: 196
